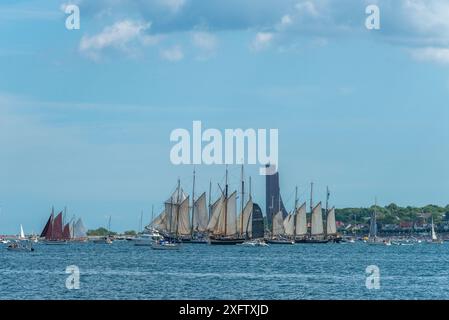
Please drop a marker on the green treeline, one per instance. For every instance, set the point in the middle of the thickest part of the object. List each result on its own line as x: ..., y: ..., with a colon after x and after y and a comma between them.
x: 392, y: 214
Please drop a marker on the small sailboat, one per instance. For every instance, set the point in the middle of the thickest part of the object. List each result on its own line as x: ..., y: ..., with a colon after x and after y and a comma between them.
x: 433, y: 234
x: 22, y: 233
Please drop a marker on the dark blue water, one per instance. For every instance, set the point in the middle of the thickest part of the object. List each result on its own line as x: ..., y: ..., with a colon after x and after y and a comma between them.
x: 123, y: 271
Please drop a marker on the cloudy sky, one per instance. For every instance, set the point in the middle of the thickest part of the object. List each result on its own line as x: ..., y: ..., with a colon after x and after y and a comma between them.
x: 86, y: 115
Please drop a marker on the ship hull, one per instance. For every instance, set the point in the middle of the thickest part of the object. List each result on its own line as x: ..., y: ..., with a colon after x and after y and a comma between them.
x: 317, y: 241
x: 55, y: 242
x: 273, y: 241
x: 225, y: 241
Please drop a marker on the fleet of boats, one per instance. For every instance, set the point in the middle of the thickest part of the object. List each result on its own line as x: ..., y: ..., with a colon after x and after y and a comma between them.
x: 186, y: 219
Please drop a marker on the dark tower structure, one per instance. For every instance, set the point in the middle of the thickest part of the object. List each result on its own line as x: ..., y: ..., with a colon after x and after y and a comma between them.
x: 273, y: 199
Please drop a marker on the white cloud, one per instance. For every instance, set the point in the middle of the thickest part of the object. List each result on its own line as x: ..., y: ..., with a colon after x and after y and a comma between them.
x: 262, y: 41
x: 204, y: 40
x: 173, y: 5
x: 432, y: 54
x: 119, y: 36
x: 307, y: 7
x: 172, y: 54
x: 286, y: 20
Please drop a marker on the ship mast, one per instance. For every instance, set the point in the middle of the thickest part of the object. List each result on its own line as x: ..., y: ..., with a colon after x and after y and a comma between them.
x: 241, y: 203
x: 193, y: 203
x: 210, y: 194
x: 311, y: 207
x: 226, y: 201
x: 327, y: 209
x: 177, y: 207
x: 295, y: 215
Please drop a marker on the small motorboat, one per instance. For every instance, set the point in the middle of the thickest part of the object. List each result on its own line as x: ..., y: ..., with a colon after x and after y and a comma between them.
x: 103, y: 240
x: 280, y: 241
x: 20, y: 246
x: 5, y: 241
x: 146, y: 239
x: 255, y: 243
x: 164, y: 245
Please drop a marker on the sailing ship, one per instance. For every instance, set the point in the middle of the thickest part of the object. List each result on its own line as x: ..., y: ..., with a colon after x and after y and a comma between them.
x: 373, y: 239
x: 316, y: 233
x: 78, y: 231
x: 199, y: 216
x: 282, y: 230
x: 174, y: 221
x: 250, y: 221
x: 53, y: 231
x: 223, y: 221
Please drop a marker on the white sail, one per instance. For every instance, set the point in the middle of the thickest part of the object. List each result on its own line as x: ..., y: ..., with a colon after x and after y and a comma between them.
x: 317, y: 220
x: 434, y: 235
x: 278, y: 224
x: 331, y: 225
x: 215, y: 215
x: 301, y: 220
x: 289, y: 225
x: 244, y: 221
x: 22, y: 234
x: 79, y: 231
x: 184, y: 218
x: 200, y: 214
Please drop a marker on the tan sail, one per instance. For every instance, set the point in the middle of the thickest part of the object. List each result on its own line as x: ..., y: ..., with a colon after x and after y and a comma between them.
x: 317, y: 220
x: 200, y: 214
x: 246, y: 222
x: 278, y: 224
x: 228, y: 217
x: 289, y: 225
x: 171, y: 208
x: 160, y: 222
x: 216, y: 209
x: 184, y: 218
x: 331, y: 225
x: 301, y: 220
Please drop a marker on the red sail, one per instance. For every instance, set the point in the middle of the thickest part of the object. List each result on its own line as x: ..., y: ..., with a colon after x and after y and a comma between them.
x: 66, y: 232
x: 57, y: 228
x: 48, y: 228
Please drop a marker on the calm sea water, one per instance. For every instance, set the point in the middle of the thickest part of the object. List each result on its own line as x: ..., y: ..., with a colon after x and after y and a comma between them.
x: 124, y: 271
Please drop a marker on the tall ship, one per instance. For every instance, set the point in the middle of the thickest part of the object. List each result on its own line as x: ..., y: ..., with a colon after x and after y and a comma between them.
x: 222, y: 225
x: 54, y: 232
x: 316, y: 232
x: 174, y: 221
x: 250, y: 220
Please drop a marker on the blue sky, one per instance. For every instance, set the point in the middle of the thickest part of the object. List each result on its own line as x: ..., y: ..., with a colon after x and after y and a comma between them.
x: 86, y: 115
